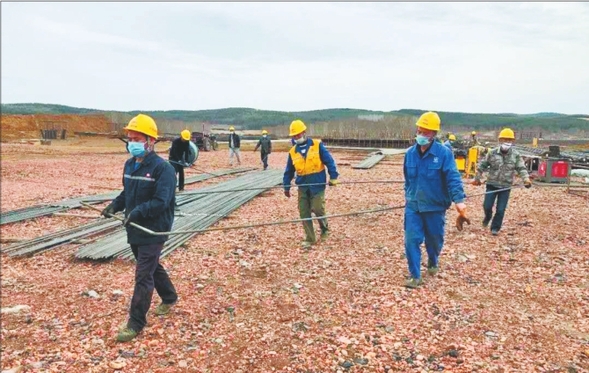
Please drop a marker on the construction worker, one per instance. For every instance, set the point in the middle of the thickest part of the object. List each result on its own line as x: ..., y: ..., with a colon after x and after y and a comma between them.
x: 179, y: 154
x: 448, y: 143
x: 308, y: 158
x: 502, y: 163
x: 148, y: 197
x: 266, y: 148
x: 432, y: 183
x: 474, y: 141
x: 234, y: 143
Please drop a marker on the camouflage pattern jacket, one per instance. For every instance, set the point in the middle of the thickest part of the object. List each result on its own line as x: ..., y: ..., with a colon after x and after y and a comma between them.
x: 502, y: 167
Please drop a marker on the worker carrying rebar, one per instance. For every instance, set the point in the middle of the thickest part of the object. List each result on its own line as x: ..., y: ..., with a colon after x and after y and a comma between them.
x: 432, y: 183
x: 234, y: 144
x: 309, y: 158
x: 502, y: 163
x: 265, y: 145
x: 450, y: 142
x: 179, y: 155
x: 148, y: 197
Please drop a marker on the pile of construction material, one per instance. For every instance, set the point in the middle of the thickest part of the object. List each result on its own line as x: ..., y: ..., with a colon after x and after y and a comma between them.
x: 370, y: 161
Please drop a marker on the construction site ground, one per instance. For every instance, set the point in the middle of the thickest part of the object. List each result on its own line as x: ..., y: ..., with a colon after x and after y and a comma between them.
x: 254, y: 301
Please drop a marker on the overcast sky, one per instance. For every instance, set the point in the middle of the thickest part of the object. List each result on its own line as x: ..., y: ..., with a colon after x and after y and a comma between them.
x: 469, y: 57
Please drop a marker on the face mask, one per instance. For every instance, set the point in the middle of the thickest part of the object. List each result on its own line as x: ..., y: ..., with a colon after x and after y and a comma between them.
x: 506, y: 146
x: 137, y: 149
x: 302, y: 140
x: 422, y: 140
x: 264, y: 136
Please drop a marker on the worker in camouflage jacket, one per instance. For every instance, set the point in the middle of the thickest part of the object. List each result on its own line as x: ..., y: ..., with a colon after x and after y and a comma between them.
x: 265, y: 145
x: 502, y: 164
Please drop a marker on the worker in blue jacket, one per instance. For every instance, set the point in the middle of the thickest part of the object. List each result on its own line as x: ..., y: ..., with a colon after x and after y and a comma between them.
x: 432, y: 183
x: 148, y: 199
x: 309, y: 158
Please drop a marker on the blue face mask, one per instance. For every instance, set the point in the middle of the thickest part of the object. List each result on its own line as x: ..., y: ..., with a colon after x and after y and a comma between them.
x: 137, y: 149
x: 422, y: 140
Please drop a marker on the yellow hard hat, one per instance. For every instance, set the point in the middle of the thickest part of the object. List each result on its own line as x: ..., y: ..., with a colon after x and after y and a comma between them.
x: 297, y: 127
x: 429, y: 121
x: 185, y: 135
x: 264, y: 132
x: 473, y: 133
x: 143, y: 124
x: 231, y: 128
x: 452, y: 137
x: 507, y: 133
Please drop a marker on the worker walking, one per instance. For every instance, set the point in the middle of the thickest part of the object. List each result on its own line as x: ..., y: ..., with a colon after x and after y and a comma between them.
x: 502, y: 163
x: 234, y: 143
x: 474, y: 141
x: 148, y: 198
x: 309, y: 158
x: 432, y: 183
x: 265, y: 145
x: 179, y: 154
x: 448, y: 143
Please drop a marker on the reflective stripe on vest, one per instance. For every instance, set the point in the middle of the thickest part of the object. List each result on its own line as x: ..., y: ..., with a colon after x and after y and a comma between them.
x: 311, y: 164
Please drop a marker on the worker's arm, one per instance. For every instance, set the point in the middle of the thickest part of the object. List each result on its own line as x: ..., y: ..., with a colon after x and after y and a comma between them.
x: 483, y: 166
x: 165, y: 188
x: 328, y: 161
x: 289, y: 173
x: 520, y: 167
x: 186, y: 152
x: 119, y: 203
x: 259, y: 143
x: 405, y: 173
x: 269, y: 146
x: 453, y: 179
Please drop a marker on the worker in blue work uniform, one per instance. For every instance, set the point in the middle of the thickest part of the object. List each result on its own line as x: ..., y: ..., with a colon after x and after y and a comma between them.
x: 148, y: 196
x: 432, y: 183
x: 448, y: 143
x: 308, y: 158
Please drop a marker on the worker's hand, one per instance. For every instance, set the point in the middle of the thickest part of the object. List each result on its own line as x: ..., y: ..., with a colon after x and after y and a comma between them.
x: 460, y: 220
x: 461, y: 208
x: 131, y: 218
x: 476, y: 182
x: 287, y: 193
x: 333, y: 182
x: 527, y: 183
x: 108, y: 211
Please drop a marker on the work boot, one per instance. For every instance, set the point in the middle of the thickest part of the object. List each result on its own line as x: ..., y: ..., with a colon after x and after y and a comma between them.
x: 494, y: 232
x: 307, y: 244
x: 126, y: 334
x: 413, y: 283
x: 324, y: 234
x: 163, y: 309
x: 486, y: 222
x: 432, y: 270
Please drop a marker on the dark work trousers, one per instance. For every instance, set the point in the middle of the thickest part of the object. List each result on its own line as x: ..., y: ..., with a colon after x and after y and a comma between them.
x: 149, y: 274
x: 502, y: 199
x: 180, y: 171
x: 264, y: 157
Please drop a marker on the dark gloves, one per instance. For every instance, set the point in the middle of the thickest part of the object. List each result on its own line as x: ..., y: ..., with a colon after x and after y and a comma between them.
x: 460, y: 220
x: 131, y: 218
x: 287, y: 192
x: 108, y: 211
x: 527, y: 183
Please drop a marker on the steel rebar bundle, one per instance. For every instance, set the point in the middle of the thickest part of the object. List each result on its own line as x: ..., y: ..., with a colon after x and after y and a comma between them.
x: 370, y: 161
x: 206, y: 209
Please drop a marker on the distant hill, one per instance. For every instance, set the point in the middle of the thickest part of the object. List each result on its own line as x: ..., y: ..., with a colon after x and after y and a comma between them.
x: 255, y: 119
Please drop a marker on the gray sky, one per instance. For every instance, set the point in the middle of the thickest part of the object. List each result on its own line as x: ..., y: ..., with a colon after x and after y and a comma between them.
x: 469, y: 57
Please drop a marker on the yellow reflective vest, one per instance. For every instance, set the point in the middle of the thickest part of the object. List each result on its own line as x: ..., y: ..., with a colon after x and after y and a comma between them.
x: 311, y: 164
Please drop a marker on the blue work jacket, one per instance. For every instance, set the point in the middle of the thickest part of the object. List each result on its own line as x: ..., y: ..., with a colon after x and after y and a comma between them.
x: 149, y: 195
x: 316, y: 178
x: 432, y: 181
x: 448, y: 145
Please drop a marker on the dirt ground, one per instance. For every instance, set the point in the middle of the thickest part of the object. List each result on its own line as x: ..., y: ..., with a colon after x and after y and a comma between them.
x: 253, y: 301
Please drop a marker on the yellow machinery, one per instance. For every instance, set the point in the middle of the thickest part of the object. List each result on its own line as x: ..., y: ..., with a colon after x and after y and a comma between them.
x: 473, y: 159
x: 460, y: 162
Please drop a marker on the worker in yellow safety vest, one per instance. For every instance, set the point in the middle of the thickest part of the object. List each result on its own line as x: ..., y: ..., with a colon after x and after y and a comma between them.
x: 308, y: 158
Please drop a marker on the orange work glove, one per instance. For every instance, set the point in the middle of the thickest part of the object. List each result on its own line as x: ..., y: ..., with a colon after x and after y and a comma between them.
x: 476, y: 182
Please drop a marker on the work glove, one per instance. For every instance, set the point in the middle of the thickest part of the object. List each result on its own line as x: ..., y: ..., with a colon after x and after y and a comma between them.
x: 287, y: 193
x: 477, y: 182
x: 333, y: 182
x: 108, y: 211
x: 527, y: 183
x: 131, y: 218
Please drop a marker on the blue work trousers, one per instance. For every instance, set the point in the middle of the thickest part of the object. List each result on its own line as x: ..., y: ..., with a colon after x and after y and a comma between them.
x: 502, y: 199
x: 420, y: 226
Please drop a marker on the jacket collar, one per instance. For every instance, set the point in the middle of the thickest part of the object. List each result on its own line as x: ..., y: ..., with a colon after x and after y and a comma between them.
x: 149, y: 158
x: 434, y: 148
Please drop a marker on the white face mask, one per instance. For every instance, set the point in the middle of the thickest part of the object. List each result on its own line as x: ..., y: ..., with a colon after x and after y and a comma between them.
x: 302, y: 140
x: 264, y: 136
x: 506, y: 146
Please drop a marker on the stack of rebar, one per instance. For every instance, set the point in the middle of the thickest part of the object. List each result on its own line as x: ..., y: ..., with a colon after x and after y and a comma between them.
x: 370, y: 161
x: 201, y: 211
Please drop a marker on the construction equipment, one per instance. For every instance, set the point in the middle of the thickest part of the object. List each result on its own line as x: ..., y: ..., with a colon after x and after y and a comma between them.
x: 553, y: 170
